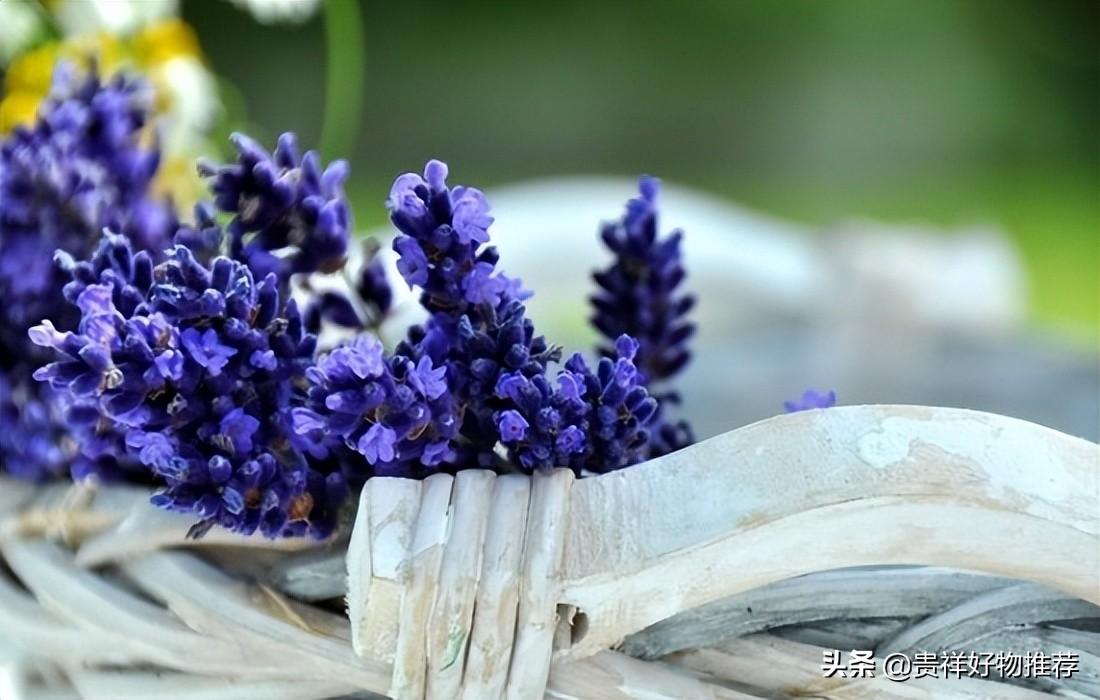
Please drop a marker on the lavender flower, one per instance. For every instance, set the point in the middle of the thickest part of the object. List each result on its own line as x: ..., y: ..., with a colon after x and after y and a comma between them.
x: 83, y: 166
x: 478, y: 326
x: 198, y: 366
x: 811, y: 400
x: 393, y: 411
x: 441, y: 247
x: 475, y: 374
x: 479, y: 356
x: 594, y: 421
x: 196, y: 371
x: 290, y: 214
x: 639, y: 295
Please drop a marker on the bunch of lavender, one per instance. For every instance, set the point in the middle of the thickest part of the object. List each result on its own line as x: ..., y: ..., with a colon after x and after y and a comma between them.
x: 200, y: 366
x: 640, y: 296
x: 489, y: 363
x: 85, y: 164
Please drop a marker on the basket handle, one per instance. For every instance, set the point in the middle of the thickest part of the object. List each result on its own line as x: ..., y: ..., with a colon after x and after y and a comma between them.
x: 472, y: 585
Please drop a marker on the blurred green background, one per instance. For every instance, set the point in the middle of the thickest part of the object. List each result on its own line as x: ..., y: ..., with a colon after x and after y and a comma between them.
x: 942, y: 111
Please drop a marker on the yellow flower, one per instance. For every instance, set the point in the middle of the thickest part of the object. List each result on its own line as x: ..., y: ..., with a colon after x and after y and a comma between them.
x: 163, y: 41
x: 25, y: 84
x: 16, y: 109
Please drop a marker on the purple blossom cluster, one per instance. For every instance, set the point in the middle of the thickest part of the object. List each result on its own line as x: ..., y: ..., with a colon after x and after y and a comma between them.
x: 198, y: 367
x: 289, y: 214
x: 594, y: 421
x: 178, y: 367
x: 396, y: 413
x: 639, y: 295
x: 84, y: 165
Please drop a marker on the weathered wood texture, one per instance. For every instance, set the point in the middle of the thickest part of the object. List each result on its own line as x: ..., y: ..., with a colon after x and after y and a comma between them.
x: 773, y: 665
x: 902, y: 592
x: 728, y: 566
x: 831, y: 489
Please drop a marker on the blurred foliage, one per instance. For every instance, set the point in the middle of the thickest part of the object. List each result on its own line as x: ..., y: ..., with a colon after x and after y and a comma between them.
x: 945, y: 111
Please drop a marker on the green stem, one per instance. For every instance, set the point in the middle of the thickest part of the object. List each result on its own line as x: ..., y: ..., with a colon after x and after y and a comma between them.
x: 345, y: 58
x: 52, y: 27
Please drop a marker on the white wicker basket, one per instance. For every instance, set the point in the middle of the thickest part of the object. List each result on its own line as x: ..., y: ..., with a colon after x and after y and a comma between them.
x: 721, y: 571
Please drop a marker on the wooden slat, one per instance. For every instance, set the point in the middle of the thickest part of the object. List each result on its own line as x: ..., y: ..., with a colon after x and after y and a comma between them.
x: 844, y: 594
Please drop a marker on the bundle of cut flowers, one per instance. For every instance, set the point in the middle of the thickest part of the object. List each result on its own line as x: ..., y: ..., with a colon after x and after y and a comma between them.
x: 141, y: 345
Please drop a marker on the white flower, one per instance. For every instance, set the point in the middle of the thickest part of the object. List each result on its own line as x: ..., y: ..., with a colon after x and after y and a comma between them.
x: 193, y: 104
x: 19, y: 25
x: 119, y: 17
x: 273, y: 11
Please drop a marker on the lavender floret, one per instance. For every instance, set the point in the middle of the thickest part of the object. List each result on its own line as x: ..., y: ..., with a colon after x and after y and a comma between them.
x: 810, y: 400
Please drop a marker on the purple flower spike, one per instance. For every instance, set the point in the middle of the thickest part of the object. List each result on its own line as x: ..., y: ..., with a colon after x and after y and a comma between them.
x: 398, y: 414
x: 443, y: 231
x: 811, y: 400
x: 290, y: 215
x: 596, y: 421
x: 639, y: 295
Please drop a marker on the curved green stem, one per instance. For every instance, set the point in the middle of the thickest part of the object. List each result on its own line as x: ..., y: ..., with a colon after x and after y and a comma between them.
x: 345, y: 56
